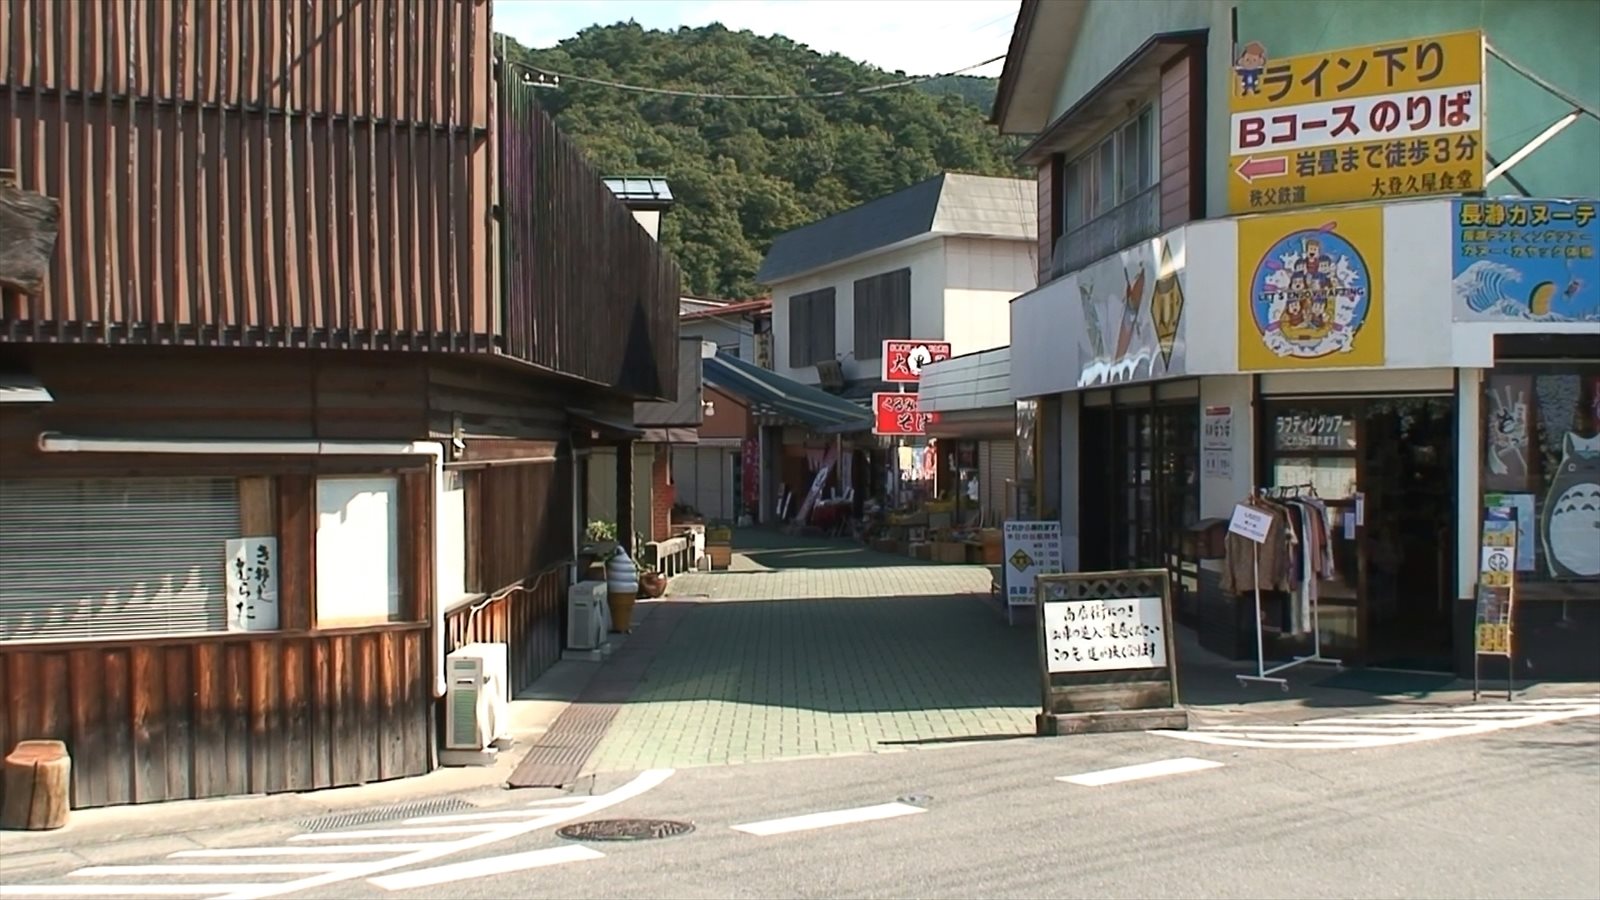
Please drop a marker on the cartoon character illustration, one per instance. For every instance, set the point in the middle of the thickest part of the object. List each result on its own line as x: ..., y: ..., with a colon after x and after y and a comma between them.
x: 1572, y: 511
x: 1132, y: 301
x: 1311, y: 294
x: 1251, y: 63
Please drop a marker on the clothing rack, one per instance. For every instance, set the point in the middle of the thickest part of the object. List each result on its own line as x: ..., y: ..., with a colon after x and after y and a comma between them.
x: 1264, y: 674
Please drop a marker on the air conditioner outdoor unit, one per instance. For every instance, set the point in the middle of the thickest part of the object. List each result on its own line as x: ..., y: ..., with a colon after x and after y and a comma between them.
x: 588, y: 615
x: 477, y: 700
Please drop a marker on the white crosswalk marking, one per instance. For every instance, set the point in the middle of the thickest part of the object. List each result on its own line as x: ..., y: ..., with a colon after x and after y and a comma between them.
x: 324, y: 858
x: 1141, y: 771
x: 1389, y: 729
x: 829, y: 819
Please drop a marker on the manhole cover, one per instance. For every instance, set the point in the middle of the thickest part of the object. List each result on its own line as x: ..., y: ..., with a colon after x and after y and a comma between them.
x: 624, y: 830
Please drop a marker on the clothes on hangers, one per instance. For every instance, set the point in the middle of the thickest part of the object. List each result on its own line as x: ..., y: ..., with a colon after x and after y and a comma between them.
x: 1294, y: 559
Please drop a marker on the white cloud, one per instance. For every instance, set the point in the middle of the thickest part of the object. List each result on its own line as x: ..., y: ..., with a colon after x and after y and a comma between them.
x: 920, y: 37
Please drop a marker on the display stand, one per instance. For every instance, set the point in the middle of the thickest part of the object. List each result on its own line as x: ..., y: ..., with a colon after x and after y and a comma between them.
x: 1255, y: 525
x: 1497, y: 591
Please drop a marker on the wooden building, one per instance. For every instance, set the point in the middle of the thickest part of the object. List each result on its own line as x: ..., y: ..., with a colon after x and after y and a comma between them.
x: 293, y: 413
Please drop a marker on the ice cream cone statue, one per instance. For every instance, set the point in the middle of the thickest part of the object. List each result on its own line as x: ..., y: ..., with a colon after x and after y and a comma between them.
x: 1166, y: 305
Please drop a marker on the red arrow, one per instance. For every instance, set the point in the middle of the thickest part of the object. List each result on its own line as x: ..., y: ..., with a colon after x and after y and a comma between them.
x: 1253, y: 168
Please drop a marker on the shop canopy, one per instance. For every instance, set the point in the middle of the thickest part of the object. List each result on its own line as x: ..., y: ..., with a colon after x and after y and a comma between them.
x: 768, y: 392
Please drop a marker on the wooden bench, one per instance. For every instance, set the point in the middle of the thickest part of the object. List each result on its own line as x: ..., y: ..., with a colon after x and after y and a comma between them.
x: 38, y: 781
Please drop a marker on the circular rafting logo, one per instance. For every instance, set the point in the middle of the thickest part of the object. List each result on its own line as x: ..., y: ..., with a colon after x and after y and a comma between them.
x: 1310, y: 295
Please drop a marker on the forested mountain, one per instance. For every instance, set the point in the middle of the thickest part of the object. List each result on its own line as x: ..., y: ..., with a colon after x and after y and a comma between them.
x: 744, y: 171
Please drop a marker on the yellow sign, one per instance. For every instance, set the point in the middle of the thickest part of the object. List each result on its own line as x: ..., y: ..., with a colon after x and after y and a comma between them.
x: 1402, y: 119
x: 1494, y: 638
x: 1311, y: 290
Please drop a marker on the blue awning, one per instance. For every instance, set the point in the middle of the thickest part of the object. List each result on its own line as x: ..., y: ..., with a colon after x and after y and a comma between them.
x: 768, y: 392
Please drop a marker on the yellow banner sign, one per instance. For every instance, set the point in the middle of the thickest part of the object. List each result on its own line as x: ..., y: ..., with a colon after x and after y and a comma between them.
x: 1402, y: 119
x: 1311, y: 286
x: 1494, y: 639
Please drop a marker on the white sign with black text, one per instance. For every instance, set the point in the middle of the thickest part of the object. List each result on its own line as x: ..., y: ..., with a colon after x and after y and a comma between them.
x: 1216, y: 443
x: 1097, y: 635
x: 252, y: 582
x: 1251, y: 523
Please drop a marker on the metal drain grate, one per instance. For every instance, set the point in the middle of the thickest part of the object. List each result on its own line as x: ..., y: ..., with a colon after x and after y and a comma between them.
x: 336, y: 821
x: 624, y: 830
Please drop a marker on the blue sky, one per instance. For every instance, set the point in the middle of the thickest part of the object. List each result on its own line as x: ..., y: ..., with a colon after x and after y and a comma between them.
x: 921, y: 37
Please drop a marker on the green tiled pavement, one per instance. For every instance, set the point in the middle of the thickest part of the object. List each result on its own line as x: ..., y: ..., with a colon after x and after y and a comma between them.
x: 855, y: 653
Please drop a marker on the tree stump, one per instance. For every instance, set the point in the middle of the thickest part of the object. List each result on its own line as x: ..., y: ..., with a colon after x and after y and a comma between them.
x: 38, y: 780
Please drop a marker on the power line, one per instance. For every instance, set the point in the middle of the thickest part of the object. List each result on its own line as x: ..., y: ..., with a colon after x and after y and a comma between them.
x: 700, y: 95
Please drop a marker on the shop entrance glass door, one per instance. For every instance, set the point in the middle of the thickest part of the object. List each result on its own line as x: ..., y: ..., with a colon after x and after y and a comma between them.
x: 1383, y: 466
x: 1408, y: 463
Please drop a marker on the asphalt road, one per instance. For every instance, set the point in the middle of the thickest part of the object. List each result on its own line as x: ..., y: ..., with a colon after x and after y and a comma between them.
x: 1507, y: 813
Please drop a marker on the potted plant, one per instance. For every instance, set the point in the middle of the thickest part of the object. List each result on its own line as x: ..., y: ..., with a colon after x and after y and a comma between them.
x: 600, y: 544
x: 652, y: 583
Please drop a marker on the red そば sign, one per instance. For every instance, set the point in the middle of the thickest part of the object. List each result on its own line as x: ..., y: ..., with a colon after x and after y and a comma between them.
x: 897, y: 414
x: 903, y: 360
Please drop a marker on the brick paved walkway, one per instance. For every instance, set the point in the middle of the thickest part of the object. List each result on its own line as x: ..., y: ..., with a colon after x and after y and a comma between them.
x: 814, y: 647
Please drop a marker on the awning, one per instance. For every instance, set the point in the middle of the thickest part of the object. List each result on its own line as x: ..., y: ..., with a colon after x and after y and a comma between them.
x: 995, y: 424
x: 768, y: 392
x: 603, y: 430
x: 23, y: 389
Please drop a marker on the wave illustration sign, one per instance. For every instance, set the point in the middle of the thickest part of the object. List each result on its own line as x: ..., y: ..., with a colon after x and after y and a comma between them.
x: 1526, y: 260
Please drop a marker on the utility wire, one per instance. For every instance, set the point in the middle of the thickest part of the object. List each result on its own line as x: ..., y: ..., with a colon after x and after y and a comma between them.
x: 699, y: 95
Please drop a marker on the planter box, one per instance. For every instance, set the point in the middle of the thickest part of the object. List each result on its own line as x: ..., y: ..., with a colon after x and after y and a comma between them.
x: 721, y: 555
x: 950, y: 552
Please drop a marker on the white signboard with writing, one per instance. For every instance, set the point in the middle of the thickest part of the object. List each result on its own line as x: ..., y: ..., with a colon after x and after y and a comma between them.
x: 1031, y: 549
x: 1216, y: 443
x: 1097, y: 635
x: 252, y: 582
x: 1251, y: 523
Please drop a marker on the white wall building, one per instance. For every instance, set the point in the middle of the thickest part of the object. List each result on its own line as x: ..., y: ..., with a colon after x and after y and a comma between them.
x: 939, y: 260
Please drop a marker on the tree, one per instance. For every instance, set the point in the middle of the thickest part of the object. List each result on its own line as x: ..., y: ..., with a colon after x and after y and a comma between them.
x: 744, y: 171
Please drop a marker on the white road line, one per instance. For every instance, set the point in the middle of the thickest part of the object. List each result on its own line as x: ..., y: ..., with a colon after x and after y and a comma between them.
x: 494, y: 865
x: 209, y: 869
x: 115, y: 890
x: 477, y: 817
x: 302, y: 850
x: 644, y: 782
x: 391, y: 832
x: 1387, y: 729
x: 829, y: 819
x: 1120, y: 774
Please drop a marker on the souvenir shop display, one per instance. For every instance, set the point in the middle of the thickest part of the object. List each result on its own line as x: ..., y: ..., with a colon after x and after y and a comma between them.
x: 1279, y: 541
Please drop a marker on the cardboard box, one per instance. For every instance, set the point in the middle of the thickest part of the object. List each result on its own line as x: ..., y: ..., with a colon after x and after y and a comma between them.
x: 923, y: 551
x: 950, y: 552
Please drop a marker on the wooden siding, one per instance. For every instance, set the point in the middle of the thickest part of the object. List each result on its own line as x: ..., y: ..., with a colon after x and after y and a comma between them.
x: 587, y: 292
x: 1050, y: 176
x: 519, y: 524
x: 1182, y: 140
x: 209, y: 717
x: 310, y: 173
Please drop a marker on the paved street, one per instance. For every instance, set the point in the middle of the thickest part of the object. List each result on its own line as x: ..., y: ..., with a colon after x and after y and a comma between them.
x: 812, y: 647
x: 1510, y: 812
x: 841, y: 679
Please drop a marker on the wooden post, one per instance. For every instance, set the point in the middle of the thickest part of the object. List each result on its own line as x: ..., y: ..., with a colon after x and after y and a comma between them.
x: 38, y: 779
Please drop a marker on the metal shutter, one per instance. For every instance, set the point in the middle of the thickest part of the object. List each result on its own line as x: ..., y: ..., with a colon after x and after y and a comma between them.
x: 101, y: 558
x: 999, y: 463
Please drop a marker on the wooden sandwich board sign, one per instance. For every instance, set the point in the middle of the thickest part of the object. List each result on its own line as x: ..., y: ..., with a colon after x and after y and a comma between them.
x: 1106, y: 653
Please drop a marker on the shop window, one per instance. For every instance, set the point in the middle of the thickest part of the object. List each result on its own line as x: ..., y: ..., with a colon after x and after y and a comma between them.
x: 98, y: 559
x: 1541, y: 457
x: 811, y: 328
x: 1109, y: 194
x: 882, y: 310
x: 358, y: 560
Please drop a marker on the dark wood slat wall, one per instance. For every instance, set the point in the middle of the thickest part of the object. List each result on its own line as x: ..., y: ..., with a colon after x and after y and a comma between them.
x: 614, y: 323
x: 208, y: 717
x: 293, y: 173
x: 519, y: 520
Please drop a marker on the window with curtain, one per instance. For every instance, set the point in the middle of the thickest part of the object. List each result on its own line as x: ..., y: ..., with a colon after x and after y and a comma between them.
x: 882, y: 311
x: 99, y: 559
x: 811, y: 327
